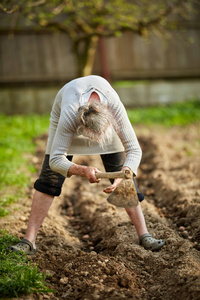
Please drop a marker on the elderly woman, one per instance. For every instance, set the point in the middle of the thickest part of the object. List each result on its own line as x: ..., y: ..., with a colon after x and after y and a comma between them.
x: 87, y: 118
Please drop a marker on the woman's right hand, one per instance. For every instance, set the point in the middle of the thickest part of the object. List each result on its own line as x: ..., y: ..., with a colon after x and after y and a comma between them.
x: 84, y: 171
x: 90, y: 174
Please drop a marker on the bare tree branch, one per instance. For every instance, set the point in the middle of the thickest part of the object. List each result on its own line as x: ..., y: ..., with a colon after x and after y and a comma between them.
x: 37, y: 3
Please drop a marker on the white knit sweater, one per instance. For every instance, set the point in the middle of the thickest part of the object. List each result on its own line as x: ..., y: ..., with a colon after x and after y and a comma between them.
x: 62, y: 139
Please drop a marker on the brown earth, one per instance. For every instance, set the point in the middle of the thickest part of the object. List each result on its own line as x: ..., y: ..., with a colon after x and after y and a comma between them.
x: 89, y: 249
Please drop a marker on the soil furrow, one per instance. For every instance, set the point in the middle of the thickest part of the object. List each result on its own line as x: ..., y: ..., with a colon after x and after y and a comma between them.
x: 175, y: 191
x: 89, y: 249
x: 113, y: 234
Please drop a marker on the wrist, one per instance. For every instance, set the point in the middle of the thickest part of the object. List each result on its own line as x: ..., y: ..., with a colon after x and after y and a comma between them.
x: 77, y: 170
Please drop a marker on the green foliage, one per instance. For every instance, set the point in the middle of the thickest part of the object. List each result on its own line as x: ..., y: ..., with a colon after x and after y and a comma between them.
x: 17, y: 274
x: 82, y: 18
x: 16, y: 140
x: 177, y: 114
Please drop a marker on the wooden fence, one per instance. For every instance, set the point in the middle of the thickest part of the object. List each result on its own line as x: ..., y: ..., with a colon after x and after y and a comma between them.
x: 47, y: 58
x: 33, y: 66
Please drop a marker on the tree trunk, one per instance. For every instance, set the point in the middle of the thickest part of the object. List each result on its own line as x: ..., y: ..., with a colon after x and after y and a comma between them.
x: 103, y: 59
x: 85, y: 51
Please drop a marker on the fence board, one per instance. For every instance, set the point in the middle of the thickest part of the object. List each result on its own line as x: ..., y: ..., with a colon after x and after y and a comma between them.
x: 48, y: 57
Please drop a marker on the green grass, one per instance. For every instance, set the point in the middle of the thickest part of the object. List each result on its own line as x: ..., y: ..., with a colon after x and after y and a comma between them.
x: 129, y: 83
x: 17, y: 274
x: 177, y: 114
x: 16, y: 140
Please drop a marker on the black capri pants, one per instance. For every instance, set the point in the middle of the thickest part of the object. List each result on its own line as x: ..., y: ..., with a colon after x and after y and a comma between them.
x: 51, y: 183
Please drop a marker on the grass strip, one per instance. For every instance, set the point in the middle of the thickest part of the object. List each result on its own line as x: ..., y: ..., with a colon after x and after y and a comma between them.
x: 176, y: 114
x: 16, y: 140
x: 17, y: 274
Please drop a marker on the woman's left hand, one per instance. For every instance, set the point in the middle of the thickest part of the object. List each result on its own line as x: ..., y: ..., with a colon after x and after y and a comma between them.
x: 111, y: 187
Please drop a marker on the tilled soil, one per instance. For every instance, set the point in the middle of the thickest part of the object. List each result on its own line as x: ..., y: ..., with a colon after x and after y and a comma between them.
x: 89, y: 248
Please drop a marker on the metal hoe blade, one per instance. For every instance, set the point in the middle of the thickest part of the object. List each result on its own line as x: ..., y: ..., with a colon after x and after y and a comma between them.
x: 125, y: 194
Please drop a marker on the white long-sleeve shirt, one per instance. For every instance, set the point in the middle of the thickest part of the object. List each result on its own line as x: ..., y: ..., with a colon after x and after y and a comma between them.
x: 63, y: 139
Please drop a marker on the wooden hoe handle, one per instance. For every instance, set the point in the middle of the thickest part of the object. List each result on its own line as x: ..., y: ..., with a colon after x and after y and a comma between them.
x: 126, y: 174
x: 111, y: 175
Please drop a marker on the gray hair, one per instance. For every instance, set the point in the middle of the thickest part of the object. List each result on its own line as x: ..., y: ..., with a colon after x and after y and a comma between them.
x: 95, y: 122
